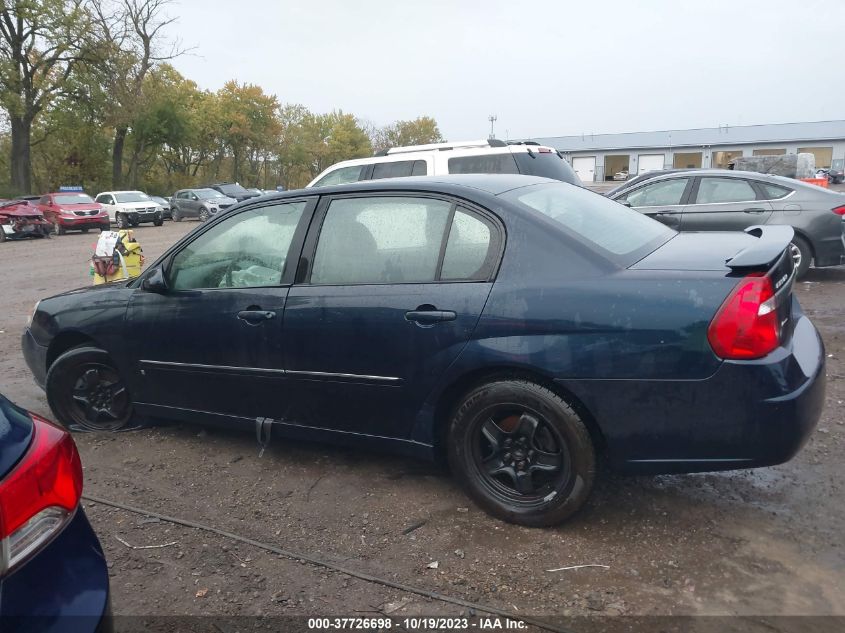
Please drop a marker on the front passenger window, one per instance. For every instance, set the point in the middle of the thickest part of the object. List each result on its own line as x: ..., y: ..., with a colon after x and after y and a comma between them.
x: 658, y: 194
x: 246, y: 250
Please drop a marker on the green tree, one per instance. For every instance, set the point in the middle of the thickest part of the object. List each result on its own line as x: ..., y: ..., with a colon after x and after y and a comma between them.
x: 249, y: 127
x: 420, y: 131
x: 41, y: 41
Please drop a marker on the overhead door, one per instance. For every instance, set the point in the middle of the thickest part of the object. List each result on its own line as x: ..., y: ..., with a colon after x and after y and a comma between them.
x: 585, y: 167
x: 649, y: 162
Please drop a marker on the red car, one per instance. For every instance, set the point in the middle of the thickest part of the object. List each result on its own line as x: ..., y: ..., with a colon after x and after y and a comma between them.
x: 21, y: 218
x: 73, y: 211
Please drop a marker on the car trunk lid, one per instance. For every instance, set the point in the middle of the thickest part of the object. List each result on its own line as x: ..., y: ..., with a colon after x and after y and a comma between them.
x: 15, y: 435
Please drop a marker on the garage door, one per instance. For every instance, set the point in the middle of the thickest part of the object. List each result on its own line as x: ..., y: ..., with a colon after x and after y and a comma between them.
x: 649, y: 162
x: 585, y: 167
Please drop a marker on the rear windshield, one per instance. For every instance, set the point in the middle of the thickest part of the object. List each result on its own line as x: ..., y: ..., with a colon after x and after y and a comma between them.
x: 503, y: 163
x: 73, y: 198
x: 620, y: 234
x: 546, y: 165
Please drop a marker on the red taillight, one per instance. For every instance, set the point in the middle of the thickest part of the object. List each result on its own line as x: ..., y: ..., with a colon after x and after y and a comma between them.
x: 839, y: 210
x: 40, y: 493
x: 746, y: 325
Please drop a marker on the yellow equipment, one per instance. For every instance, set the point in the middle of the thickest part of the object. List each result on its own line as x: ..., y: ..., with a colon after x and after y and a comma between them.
x: 118, y: 256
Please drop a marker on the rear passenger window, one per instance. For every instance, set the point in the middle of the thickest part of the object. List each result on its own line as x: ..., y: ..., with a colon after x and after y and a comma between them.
x: 383, y: 239
x: 471, y: 251
x: 483, y: 164
x: 399, y: 169
x: 722, y: 190
x: 341, y: 176
x: 774, y: 192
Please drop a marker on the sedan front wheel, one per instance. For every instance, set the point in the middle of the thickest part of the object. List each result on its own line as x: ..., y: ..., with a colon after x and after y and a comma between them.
x: 84, y: 389
x: 522, y: 453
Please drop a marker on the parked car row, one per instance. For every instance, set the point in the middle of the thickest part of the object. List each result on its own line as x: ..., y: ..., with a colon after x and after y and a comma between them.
x: 58, y: 213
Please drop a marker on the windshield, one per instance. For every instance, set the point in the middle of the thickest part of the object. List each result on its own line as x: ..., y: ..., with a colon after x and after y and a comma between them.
x: 131, y: 196
x: 233, y: 190
x: 208, y: 193
x: 73, y: 198
x: 619, y: 233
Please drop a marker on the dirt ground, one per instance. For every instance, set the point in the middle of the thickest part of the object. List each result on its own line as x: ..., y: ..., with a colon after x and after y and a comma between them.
x: 761, y: 542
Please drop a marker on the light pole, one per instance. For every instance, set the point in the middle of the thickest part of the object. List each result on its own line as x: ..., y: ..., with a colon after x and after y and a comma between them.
x: 492, y: 118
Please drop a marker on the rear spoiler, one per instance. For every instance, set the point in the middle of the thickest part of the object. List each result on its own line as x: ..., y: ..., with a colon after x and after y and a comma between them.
x: 769, y: 246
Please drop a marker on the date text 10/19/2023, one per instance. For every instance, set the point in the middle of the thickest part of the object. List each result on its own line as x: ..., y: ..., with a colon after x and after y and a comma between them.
x: 417, y: 623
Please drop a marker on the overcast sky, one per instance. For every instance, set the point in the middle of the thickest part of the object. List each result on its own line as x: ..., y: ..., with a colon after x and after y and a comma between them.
x: 545, y: 68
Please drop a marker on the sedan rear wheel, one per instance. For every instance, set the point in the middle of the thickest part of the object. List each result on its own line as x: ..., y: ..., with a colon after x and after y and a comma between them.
x: 522, y: 453
x: 84, y: 389
x: 801, y: 254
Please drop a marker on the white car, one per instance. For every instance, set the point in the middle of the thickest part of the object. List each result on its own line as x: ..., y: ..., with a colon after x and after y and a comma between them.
x: 621, y: 175
x: 130, y: 208
x: 466, y: 157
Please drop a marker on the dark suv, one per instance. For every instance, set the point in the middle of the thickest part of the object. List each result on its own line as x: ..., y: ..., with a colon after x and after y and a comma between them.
x: 234, y: 190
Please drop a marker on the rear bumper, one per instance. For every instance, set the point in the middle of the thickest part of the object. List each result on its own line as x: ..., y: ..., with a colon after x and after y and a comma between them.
x: 35, y: 356
x: 63, y: 588
x: 747, y: 414
x: 830, y: 251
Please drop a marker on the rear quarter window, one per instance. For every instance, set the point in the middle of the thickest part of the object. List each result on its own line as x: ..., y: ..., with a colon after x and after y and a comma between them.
x: 774, y: 192
x: 503, y: 163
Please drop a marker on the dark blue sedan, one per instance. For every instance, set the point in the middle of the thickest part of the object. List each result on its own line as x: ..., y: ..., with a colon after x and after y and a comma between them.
x: 516, y: 325
x: 53, y: 575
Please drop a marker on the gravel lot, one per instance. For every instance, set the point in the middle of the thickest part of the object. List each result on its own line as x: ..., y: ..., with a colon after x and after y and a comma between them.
x: 747, y: 542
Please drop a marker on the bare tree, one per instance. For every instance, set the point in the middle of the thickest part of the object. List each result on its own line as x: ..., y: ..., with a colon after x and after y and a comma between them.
x: 41, y: 41
x: 132, y: 39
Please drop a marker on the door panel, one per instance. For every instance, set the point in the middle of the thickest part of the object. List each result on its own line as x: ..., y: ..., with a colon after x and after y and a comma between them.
x: 213, y: 341
x: 371, y: 329
x: 356, y: 361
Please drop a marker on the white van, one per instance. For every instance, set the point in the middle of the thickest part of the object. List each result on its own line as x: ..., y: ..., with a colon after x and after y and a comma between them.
x: 468, y: 157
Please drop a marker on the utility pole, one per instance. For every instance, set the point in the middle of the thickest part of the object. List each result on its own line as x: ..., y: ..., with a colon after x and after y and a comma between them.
x: 492, y: 118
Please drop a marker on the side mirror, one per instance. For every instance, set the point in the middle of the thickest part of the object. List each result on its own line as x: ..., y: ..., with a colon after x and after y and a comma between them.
x: 155, y: 281
x: 625, y: 202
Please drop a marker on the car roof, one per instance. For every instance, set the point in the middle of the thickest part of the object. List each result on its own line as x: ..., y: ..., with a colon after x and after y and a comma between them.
x: 493, y: 184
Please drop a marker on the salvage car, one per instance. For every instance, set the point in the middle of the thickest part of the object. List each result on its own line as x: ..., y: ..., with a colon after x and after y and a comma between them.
x: 727, y: 200
x: 73, y: 212
x: 131, y: 208
x: 21, y: 219
x: 519, y: 326
x: 46, y: 541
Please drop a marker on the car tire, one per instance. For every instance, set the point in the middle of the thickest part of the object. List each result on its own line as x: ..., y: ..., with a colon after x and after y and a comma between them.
x: 58, y: 229
x: 175, y: 215
x: 158, y: 222
x: 802, y: 255
x: 105, y: 227
x: 2, y: 235
x: 85, y: 230
x: 203, y: 216
x: 122, y: 221
x: 85, y: 390
x: 522, y: 453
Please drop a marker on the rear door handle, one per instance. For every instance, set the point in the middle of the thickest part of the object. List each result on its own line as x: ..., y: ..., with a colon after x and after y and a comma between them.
x: 755, y: 210
x: 254, y: 317
x: 427, y: 317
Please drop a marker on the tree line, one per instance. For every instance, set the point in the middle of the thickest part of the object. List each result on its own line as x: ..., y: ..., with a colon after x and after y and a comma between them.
x: 89, y: 96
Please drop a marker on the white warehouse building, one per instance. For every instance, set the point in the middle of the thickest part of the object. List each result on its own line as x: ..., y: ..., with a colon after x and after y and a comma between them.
x: 597, y: 157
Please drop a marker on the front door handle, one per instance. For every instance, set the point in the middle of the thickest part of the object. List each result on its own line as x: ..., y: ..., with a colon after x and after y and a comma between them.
x: 755, y: 210
x: 429, y: 317
x: 254, y: 317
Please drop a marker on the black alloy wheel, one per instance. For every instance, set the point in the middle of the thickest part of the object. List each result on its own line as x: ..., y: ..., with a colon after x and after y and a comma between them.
x: 84, y: 389
x: 522, y: 452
